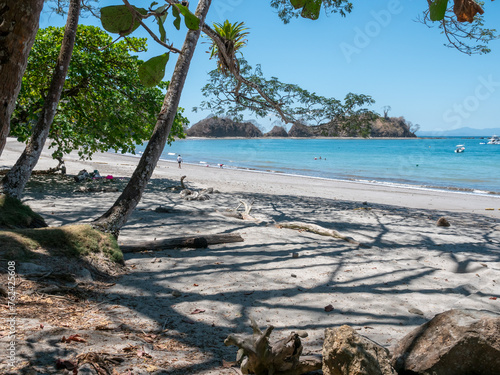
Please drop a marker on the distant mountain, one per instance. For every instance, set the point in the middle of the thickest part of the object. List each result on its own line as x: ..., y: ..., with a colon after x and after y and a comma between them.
x: 461, y: 132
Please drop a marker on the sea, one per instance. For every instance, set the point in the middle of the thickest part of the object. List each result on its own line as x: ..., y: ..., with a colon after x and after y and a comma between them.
x: 427, y: 163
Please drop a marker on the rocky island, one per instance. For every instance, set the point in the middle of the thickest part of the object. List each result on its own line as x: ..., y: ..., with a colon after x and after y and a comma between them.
x: 217, y: 127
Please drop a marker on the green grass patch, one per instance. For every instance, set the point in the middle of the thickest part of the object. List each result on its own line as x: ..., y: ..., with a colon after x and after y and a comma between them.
x: 14, y: 214
x: 68, y: 240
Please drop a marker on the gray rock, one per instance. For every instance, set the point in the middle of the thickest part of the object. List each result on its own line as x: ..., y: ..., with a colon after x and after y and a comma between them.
x: 346, y: 352
x: 456, y: 342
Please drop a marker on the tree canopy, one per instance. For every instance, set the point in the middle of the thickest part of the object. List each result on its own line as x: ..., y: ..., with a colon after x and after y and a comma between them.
x: 103, y: 105
x: 226, y: 96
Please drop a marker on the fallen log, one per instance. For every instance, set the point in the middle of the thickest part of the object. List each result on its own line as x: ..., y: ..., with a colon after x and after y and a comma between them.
x: 313, y: 228
x: 197, y: 242
x: 257, y: 355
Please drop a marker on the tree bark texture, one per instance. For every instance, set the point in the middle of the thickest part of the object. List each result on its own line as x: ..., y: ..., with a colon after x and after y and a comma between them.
x: 18, y: 27
x: 114, y: 219
x: 14, y: 182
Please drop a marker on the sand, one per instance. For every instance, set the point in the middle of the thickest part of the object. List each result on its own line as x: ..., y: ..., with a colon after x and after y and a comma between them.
x: 410, y: 270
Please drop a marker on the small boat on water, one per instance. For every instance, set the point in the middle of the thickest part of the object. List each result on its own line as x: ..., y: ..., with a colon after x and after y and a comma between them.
x: 459, y: 148
x: 495, y: 140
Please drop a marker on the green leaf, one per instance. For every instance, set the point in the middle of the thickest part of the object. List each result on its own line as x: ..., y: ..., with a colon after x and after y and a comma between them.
x: 298, y: 3
x: 311, y: 9
x: 192, y: 22
x: 177, y: 21
x: 437, y: 9
x: 161, y: 20
x: 163, y: 34
x: 118, y: 19
x: 161, y: 9
x: 152, y: 71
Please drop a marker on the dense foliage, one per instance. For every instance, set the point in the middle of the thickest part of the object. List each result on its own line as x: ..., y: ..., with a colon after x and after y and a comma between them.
x: 103, y: 105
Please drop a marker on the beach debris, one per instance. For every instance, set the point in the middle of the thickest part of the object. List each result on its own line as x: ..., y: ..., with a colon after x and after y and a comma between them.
x: 101, y: 362
x: 256, y: 355
x: 178, y: 242
x: 62, y: 364
x: 462, y: 341
x: 76, y: 338
x: 443, y: 222
x: 191, y: 195
x: 347, y: 352
x: 295, y: 255
x: 197, y: 311
x: 317, y: 229
x: 329, y: 308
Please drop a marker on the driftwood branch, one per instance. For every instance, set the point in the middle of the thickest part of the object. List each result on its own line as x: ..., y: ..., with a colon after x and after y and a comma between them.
x: 257, y: 355
x: 313, y: 228
x: 191, y: 242
x: 182, y: 183
x: 248, y: 208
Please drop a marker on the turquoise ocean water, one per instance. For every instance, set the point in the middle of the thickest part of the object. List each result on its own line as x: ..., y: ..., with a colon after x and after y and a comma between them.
x: 429, y: 163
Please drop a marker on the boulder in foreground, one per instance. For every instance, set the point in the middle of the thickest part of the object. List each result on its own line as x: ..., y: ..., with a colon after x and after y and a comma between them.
x: 346, y: 352
x: 456, y: 342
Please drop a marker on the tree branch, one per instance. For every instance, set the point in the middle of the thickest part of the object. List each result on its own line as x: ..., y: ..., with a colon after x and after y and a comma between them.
x: 223, y: 51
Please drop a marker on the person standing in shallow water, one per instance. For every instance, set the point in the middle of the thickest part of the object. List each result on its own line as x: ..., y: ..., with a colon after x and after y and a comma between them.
x: 179, y: 160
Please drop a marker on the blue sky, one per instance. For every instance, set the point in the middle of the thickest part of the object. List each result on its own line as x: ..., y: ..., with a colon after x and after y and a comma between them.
x: 377, y: 50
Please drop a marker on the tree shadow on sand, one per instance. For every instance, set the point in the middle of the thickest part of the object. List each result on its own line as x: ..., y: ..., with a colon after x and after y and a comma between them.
x: 410, y: 272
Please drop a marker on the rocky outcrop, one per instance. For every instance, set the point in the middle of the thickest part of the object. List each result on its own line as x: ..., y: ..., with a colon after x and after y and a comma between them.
x: 391, y: 127
x: 215, y: 127
x: 346, y: 352
x: 382, y: 127
x: 277, y: 131
x: 456, y: 342
x: 301, y: 131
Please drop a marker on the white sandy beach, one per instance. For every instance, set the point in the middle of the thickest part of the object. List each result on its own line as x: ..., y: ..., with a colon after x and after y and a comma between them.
x: 411, y: 270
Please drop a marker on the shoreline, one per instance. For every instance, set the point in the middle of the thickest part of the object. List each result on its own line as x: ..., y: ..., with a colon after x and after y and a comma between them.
x: 442, y: 189
x: 245, y: 180
x: 343, y: 165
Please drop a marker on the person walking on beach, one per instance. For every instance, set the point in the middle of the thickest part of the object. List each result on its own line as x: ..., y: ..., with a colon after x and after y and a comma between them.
x: 179, y: 160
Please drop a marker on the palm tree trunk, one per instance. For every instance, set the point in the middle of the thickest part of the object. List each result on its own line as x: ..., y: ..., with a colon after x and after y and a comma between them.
x: 114, y: 219
x: 15, y: 180
x: 18, y: 26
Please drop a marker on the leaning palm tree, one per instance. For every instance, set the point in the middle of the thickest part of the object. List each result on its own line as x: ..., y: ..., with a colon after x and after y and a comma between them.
x: 234, y: 35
